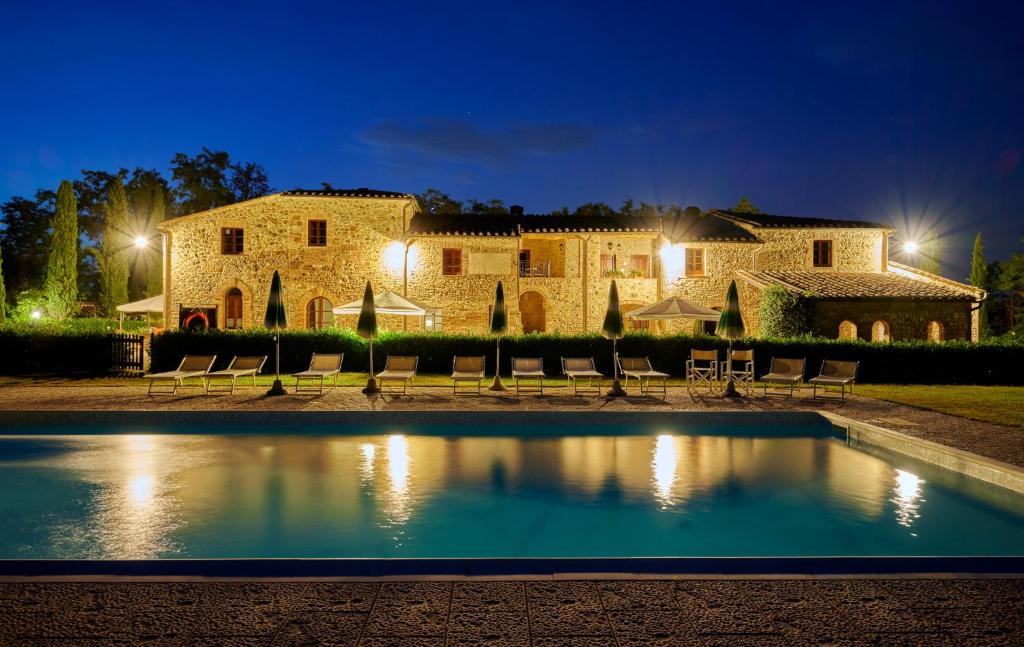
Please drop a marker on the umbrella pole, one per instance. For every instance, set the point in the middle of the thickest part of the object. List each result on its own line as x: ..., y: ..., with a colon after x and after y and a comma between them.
x: 371, y: 383
x: 496, y: 384
x: 277, y: 388
x: 616, y: 391
x: 730, y: 387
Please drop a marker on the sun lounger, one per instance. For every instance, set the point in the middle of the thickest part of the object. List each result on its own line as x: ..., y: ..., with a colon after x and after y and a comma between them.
x: 835, y: 373
x: 467, y: 369
x: 528, y: 368
x: 640, y: 368
x: 192, y: 366
x: 400, y: 369
x: 702, y: 369
x: 239, y: 367
x: 784, y: 372
x: 320, y: 368
x: 582, y: 368
x: 742, y: 369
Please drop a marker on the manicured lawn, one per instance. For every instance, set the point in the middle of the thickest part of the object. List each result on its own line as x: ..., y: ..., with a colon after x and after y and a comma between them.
x: 999, y: 404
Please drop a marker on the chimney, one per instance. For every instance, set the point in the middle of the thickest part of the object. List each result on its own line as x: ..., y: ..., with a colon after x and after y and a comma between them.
x: 515, y: 210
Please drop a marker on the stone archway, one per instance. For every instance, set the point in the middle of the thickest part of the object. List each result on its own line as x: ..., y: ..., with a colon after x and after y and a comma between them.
x: 936, y: 331
x: 880, y: 331
x: 531, y: 312
x: 847, y: 330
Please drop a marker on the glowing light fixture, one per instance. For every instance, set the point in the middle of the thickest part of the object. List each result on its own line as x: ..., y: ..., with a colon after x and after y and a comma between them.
x: 141, y: 242
x: 673, y: 260
x: 394, y: 257
x: 37, y: 314
x: 910, y: 247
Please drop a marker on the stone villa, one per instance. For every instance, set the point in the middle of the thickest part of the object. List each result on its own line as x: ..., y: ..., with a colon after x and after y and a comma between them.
x: 556, y: 269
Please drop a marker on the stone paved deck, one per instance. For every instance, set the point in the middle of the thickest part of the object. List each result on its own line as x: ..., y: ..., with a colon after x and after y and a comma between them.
x: 994, y: 441
x: 505, y: 613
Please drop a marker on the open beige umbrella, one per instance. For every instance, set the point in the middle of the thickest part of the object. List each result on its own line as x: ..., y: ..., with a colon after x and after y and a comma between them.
x: 152, y: 305
x: 674, y: 308
x: 388, y: 303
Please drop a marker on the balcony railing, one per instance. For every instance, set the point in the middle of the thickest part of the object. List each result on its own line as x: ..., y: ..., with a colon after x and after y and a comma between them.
x: 540, y: 269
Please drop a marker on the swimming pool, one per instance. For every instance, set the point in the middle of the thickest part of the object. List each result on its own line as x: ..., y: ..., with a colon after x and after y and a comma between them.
x: 491, y: 490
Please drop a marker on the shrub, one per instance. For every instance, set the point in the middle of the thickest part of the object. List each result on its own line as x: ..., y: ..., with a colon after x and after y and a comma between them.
x: 783, y: 314
x: 910, y: 362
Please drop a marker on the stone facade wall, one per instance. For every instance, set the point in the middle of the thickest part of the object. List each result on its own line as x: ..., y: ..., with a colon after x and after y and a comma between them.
x: 905, y: 319
x: 365, y: 242
x: 853, y: 250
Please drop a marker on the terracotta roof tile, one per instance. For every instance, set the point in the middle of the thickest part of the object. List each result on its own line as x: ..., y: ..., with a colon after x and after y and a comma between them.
x: 860, y: 285
x: 766, y: 220
x: 361, y: 192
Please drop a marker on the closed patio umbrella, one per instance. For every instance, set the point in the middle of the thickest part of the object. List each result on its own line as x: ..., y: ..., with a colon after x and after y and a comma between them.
x: 366, y: 328
x: 613, y: 329
x: 730, y: 326
x: 498, y: 327
x: 275, y: 320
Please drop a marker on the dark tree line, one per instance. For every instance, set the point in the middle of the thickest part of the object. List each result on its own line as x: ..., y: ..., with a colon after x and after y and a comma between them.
x: 207, y: 180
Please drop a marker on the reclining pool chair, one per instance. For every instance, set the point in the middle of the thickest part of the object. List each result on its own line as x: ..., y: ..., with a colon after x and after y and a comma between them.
x: 320, y: 368
x: 835, y: 373
x: 702, y: 369
x: 239, y: 367
x: 784, y: 372
x: 192, y: 366
x: 528, y: 368
x: 582, y: 368
x: 398, y: 368
x: 640, y: 368
x: 467, y: 369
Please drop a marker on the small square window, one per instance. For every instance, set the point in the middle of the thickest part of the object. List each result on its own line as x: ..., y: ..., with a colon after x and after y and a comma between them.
x: 822, y: 253
x: 694, y: 261
x: 451, y: 262
x: 433, y: 321
x: 231, y: 240
x: 608, y: 263
x: 317, y: 233
x: 639, y: 265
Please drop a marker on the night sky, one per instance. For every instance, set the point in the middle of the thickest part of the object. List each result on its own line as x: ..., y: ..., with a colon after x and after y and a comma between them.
x: 910, y: 114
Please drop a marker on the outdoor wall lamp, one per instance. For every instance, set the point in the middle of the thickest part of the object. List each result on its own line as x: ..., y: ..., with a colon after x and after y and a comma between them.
x: 910, y: 247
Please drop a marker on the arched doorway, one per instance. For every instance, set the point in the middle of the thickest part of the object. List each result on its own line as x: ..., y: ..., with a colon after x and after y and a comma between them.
x: 880, y: 331
x: 318, y: 313
x: 936, y: 331
x: 531, y: 311
x: 233, y: 309
x: 847, y: 330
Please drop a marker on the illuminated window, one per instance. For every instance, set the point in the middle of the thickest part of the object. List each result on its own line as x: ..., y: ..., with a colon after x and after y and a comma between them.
x: 233, y: 309
x: 880, y: 331
x: 317, y: 233
x: 639, y: 265
x: 433, y: 322
x: 847, y: 330
x: 822, y: 253
x: 694, y: 261
x: 231, y: 240
x: 936, y: 331
x: 318, y: 313
x: 607, y: 264
x: 451, y: 262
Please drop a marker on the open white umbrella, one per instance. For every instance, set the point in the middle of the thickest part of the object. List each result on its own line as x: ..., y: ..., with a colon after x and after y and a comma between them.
x: 152, y: 305
x: 674, y: 308
x: 388, y: 303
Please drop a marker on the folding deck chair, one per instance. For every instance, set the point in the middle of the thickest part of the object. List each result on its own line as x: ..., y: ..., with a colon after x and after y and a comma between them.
x: 582, y: 368
x: 192, y: 366
x: 784, y: 372
x: 320, y: 368
x: 528, y: 368
x: 835, y: 373
x: 640, y: 368
x: 239, y: 367
x: 467, y: 369
x: 398, y: 368
x: 702, y: 369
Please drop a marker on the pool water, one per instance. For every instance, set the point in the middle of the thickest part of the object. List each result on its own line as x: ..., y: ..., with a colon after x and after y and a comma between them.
x: 409, y: 491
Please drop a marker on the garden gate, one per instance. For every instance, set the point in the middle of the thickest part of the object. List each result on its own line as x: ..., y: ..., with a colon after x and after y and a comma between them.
x: 127, y: 353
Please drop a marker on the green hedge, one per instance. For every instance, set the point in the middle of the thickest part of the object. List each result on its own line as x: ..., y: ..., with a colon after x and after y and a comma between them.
x: 909, y: 362
x: 40, y: 349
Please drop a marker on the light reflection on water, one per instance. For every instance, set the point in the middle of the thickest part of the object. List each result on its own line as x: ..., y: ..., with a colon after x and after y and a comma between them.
x: 146, y: 496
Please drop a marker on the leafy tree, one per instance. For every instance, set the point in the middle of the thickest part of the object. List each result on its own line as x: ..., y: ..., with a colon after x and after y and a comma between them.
x: 114, y: 250
x: 211, y: 180
x: 745, y: 206
x: 564, y: 211
x: 438, y: 203
x: 148, y: 193
x: 783, y: 314
x: 493, y: 207
x: 91, y: 192
x: 594, y: 209
x: 62, y: 265
x: 979, y: 278
x: 25, y: 235
x: 693, y: 211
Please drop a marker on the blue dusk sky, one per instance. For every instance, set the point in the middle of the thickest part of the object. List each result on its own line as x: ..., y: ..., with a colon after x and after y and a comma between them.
x: 909, y: 113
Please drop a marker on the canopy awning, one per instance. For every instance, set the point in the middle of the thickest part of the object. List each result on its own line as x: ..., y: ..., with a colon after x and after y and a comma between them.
x: 674, y: 308
x: 387, y: 303
x: 146, y: 306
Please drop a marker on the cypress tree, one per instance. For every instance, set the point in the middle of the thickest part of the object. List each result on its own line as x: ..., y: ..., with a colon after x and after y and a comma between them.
x: 154, y: 259
x: 62, y: 266
x: 979, y: 276
x: 114, y: 250
x: 3, y: 294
